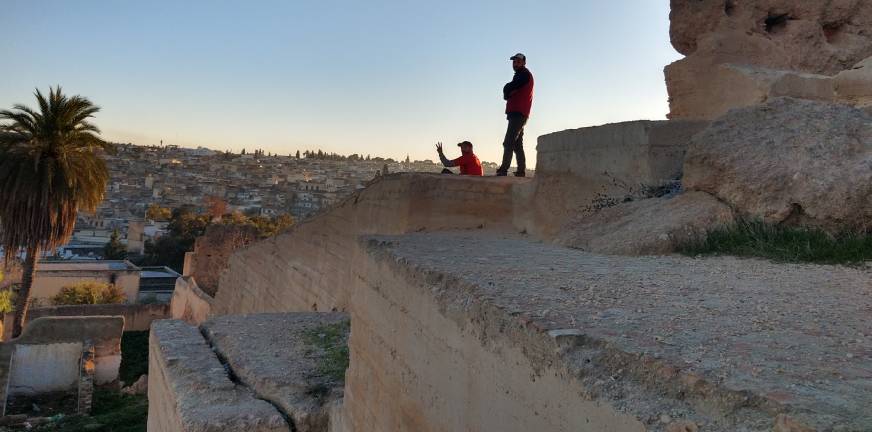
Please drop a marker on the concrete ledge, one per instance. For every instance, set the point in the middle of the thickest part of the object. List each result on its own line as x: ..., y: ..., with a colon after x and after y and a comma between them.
x: 663, y: 340
x: 189, y: 389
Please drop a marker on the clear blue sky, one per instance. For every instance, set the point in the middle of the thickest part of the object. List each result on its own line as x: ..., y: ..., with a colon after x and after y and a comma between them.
x: 378, y: 77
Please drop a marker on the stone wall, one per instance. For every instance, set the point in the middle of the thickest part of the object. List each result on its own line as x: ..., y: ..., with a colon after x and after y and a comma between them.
x: 427, y: 356
x: 48, y: 284
x: 583, y: 170
x: 189, y: 302
x: 308, y: 268
x: 213, y: 249
x: 45, y: 368
x: 137, y: 317
x: 45, y: 347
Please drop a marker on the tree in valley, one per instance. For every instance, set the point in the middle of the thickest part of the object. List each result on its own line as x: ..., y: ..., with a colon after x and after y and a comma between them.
x: 114, y: 249
x: 158, y: 213
x: 50, y: 168
x: 215, y: 207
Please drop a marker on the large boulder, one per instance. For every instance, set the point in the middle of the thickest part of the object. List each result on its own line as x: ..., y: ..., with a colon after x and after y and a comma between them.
x: 854, y: 86
x: 811, y: 38
x: 653, y: 226
x: 705, y: 91
x: 815, y: 36
x: 790, y: 160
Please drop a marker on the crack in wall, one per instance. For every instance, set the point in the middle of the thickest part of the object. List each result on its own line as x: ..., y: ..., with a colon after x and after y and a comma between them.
x: 231, y: 374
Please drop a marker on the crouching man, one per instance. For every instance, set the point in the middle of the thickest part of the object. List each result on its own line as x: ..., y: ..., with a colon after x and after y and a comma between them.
x: 468, y: 161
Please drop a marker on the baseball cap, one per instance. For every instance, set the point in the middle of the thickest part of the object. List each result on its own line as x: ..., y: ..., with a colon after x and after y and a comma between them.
x: 461, y: 144
x: 518, y: 56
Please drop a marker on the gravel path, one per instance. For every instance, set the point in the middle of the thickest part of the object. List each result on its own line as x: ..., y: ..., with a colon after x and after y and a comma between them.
x: 800, y: 335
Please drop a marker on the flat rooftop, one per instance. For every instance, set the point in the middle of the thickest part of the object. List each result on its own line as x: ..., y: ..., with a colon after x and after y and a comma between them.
x: 158, y: 272
x: 778, y: 338
x: 86, y: 265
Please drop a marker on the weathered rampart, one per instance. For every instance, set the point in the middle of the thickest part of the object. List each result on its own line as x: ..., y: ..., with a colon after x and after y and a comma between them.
x: 308, y: 268
x: 189, y: 303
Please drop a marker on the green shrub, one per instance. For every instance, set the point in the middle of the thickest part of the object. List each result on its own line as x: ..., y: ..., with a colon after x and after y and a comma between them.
x: 332, y: 341
x: 7, y: 297
x: 782, y: 244
x: 89, y: 292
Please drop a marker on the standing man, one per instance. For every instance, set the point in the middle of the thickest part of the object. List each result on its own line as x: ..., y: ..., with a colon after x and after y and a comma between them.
x: 518, y: 95
x: 468, y: 161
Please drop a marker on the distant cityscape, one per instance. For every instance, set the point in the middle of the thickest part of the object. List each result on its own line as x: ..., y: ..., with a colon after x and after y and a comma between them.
x: 254, y: 183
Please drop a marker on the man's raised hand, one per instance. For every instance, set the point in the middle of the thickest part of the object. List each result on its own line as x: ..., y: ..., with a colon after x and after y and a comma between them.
x: 439, y: 147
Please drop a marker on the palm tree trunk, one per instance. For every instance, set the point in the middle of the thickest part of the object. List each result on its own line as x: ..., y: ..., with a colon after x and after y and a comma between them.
x: 22, y: 300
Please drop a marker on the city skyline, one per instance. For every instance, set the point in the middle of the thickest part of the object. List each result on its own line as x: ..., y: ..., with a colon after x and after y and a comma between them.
x: 382, y: 78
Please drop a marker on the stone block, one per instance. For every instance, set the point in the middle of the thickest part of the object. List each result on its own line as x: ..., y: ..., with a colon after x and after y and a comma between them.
x: 274, y: 356
x: 706, y: 90
x: 190, y: 391
x: 577, y: 169
x: 789, y: 161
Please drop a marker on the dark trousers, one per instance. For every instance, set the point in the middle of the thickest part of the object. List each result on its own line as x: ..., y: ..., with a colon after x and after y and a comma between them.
x: 514, y: 143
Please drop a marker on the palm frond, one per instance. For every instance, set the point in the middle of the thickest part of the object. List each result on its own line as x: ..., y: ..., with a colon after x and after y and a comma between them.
x: 50, y: 168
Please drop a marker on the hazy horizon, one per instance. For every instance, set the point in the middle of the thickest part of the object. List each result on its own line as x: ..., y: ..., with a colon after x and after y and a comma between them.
x: 386, y: 78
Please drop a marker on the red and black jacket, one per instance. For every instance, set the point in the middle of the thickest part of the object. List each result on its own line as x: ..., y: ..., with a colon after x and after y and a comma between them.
x: 519, y: 93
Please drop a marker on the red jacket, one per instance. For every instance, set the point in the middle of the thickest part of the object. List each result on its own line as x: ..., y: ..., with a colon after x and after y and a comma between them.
x: 519, y: 93
x: 469, y: 165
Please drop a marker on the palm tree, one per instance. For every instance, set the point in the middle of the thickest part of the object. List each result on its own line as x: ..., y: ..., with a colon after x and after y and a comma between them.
x: 50, y: 168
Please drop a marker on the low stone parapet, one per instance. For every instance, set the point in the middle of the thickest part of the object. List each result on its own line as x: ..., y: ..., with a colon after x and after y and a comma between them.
x: 137, y: 317
x: 189, y: 303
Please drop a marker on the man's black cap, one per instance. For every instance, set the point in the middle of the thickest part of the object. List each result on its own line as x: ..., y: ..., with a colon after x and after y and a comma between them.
x: 461, y: 144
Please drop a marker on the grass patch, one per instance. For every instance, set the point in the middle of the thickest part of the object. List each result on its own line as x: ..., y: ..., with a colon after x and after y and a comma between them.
x: 782, y: 244
x: 112, y: 412
x: 332, y: 339
x: 134, y: 356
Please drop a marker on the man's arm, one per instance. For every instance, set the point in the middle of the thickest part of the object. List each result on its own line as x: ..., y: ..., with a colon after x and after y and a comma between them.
x: 447, y: 163
x: 519, y: 80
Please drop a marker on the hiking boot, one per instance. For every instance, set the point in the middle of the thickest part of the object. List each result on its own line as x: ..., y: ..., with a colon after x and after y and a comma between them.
x: 520, y: 174
x: 501, y: 174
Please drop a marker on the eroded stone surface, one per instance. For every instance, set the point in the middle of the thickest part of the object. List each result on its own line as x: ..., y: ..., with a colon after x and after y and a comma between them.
x: 582, y: 170
x: 269, y: 353
x: 815, y: 36
x: 722, y: 342
x: 651, y: 226
x: 190, y: 391
x: 804, y: 39
x: 789, y: 160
